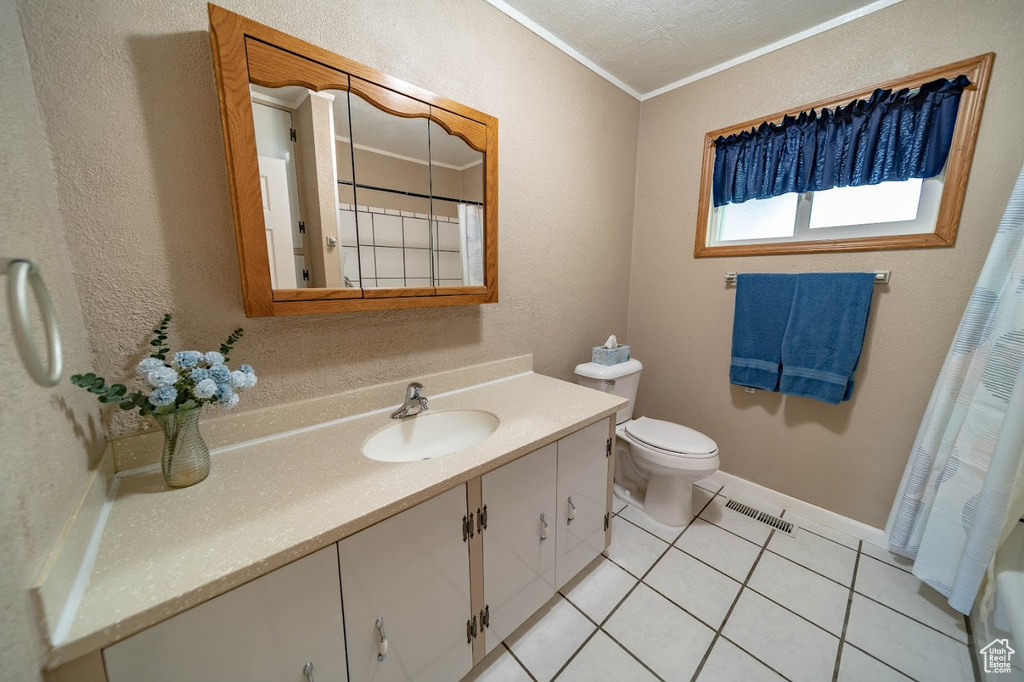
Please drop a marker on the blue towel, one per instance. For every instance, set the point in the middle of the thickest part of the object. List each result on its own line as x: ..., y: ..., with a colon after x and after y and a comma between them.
x: 763, y: 303
x: 825, y: 334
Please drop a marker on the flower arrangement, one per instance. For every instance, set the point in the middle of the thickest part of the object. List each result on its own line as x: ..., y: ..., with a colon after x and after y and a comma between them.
x: 186, y: 381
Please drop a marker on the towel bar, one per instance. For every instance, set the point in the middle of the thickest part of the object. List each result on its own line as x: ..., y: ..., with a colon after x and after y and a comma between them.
x: 23, y: 274
x: 881, y: 277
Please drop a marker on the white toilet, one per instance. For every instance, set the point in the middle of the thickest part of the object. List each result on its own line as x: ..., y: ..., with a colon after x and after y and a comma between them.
x: 657, y: 462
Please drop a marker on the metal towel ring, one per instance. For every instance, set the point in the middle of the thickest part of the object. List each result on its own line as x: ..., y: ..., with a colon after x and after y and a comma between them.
x: 20, y: 273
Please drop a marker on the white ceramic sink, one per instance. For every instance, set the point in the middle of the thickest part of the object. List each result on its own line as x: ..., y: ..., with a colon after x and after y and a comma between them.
x: 430, y: 434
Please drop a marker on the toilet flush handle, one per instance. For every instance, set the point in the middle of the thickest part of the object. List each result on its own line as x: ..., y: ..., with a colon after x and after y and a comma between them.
x: 572, y: 512
x: 543, y: 527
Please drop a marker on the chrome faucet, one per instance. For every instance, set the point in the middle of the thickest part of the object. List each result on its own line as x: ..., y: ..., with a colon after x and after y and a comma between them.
x: 414, y: 402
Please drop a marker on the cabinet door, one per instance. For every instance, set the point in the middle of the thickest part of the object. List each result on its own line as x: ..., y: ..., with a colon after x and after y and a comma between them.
x: 265, y: 630
x: 519, y: 556
x: 582, y: 499
x: 411, y: 571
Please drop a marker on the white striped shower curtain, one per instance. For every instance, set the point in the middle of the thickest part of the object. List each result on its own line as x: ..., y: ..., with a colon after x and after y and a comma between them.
x: 961, y: 491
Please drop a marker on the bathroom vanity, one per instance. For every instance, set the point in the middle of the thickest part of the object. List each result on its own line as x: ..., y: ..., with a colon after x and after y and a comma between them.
x: 302, y: 559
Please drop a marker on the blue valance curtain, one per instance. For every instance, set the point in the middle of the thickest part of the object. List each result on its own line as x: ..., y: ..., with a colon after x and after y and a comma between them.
x: 891, y: 136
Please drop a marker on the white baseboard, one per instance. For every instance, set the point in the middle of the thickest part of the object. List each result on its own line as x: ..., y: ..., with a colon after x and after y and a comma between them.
x: 838, y: 522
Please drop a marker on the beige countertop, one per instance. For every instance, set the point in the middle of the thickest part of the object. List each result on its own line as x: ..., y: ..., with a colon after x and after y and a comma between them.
x: 273, y: 500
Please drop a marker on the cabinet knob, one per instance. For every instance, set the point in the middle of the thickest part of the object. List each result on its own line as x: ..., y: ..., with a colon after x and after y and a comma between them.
x: 307, y: 670
x: 572, y: 511
x: 382, y: 646
x: 543, y: 527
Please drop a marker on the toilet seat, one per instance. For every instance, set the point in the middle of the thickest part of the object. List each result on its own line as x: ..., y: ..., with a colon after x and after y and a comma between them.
x: 669, y: 439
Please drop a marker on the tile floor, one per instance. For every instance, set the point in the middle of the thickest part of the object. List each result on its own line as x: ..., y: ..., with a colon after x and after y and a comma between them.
x: 728, y: 599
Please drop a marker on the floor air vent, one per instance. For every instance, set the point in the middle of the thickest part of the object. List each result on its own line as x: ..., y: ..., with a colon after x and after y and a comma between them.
x: 764, y: 517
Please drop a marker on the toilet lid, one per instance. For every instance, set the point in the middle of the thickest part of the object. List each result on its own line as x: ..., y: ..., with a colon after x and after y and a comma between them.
x: 671, y: 437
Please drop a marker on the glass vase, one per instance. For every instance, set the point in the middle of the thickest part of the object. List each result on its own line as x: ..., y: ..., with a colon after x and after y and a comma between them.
x: 186, y: 458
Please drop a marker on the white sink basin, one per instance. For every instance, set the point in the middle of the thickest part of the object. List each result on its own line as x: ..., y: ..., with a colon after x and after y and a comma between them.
x: 430, y: 434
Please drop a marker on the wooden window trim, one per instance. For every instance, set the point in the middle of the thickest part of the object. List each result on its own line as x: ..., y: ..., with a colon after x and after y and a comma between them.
x: 246, y: 51
x: 958, y: 166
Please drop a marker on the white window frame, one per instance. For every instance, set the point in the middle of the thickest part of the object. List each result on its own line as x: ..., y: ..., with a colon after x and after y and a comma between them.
x: 924, y: 223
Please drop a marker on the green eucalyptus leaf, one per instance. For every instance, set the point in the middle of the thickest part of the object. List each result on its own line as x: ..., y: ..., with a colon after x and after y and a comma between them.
x: 154, y: 342
x: 126, y: 405
x: 118, y: 389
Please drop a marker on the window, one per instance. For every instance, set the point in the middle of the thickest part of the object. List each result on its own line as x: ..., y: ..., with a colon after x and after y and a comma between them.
x: 886, y: 209
x: 891, y: 215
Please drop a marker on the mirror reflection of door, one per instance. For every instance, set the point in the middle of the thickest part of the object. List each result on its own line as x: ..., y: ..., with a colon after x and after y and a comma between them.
x: 296, y: 127
x: 277, y: 220
x: 391, y: 159
x: 457, y: 192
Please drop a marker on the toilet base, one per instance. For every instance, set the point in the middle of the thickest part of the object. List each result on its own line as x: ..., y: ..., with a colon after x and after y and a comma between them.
x: 669, y: 499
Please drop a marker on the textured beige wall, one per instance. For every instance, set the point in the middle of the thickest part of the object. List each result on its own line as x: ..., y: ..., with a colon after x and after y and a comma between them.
x: 848, y: 458
x: 128, y: 97
x: 49, y: 438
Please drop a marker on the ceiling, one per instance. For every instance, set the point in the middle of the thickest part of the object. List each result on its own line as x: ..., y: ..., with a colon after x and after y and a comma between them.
x: 647, y: 47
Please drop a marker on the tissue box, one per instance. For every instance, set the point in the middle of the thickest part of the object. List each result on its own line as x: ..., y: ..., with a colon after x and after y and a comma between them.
x: 610, y: 356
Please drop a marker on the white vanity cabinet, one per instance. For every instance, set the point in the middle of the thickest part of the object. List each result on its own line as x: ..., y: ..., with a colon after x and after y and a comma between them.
x: 582, y: 496
x: 264, y: 631
x: 519, y: 540
x: 417, y: 597
x: 406, y: 592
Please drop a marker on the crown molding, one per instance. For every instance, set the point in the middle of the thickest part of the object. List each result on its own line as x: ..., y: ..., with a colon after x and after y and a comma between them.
x: 777, y: 45
x: 547, y: 35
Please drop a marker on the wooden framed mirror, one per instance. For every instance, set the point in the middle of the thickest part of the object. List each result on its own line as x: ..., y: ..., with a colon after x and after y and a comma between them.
x: 351, y: 190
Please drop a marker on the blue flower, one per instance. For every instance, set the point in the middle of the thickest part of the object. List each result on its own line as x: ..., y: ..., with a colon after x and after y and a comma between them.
x: 214, y: 358
x: 148, y: 365
x: 230, y: 402
x: 247, y: 369
x: 250, y: 381
x: 162, y: 376
x: 224, y: 393
x: 206, y: 388
x: 165, y: 395
x: 199, y: 374
x: 186, y: 359
x: 238, y: 379
x: 220, y: 373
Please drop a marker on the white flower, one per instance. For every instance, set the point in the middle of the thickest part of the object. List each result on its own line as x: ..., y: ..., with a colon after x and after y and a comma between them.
x: 162, y: 376
x: 238, y: 379
x: 214, y: 358
x: 231, y: 401
x: 250, y: 381
x: 206, y: 388
x: 148, y: 365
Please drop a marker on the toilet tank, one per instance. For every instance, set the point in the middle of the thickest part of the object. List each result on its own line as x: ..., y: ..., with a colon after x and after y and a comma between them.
x: 622, y: 380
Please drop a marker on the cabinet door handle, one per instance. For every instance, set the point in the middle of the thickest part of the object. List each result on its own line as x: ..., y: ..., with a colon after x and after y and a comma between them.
x: 572, y: 511
x: 543, y: 527
x: 307, y: 670
x: 382, y: 646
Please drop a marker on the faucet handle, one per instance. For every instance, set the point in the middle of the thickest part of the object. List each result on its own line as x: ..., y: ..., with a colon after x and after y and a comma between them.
x: 413, y: 390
